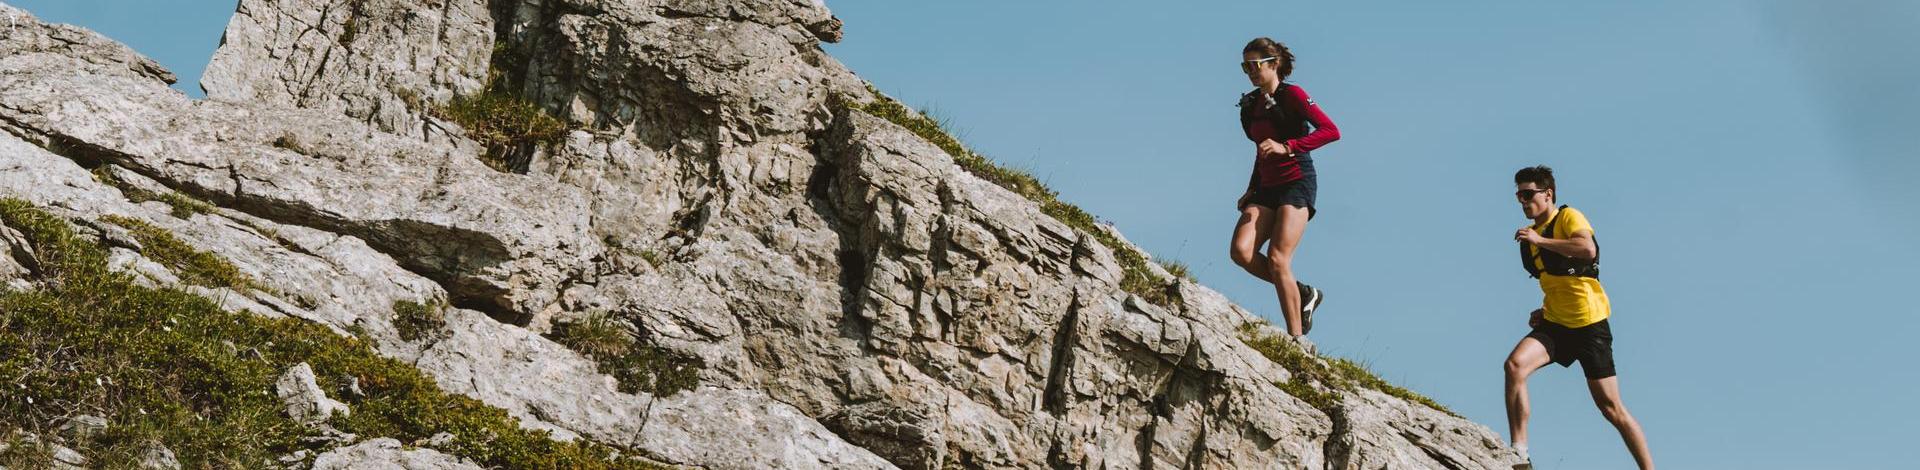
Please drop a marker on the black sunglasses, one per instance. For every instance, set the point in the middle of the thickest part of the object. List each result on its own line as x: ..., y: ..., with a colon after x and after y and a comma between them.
x: 1526, y: 194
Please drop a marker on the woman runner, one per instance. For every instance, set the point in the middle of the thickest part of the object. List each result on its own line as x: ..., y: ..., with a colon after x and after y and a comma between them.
x: 1286, y: 127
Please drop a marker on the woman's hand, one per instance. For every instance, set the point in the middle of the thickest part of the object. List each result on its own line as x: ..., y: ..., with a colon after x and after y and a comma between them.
x: 1539, y: 315
x: 1242, y: 203
x: 1271, y: 148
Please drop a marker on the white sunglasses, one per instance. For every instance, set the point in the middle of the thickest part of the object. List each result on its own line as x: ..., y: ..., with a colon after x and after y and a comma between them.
x: 1247, y: 65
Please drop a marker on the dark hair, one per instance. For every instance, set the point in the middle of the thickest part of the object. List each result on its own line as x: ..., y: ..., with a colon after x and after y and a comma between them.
x: 1267, y: 47
x: 1540, y: 176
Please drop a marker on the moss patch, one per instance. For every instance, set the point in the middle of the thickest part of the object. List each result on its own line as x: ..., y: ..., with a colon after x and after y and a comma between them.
x: 415, y: 320
x: 1136, y: 278
x: 192, y: 266
x: 1319, y: 380
x: 167, y: 366
x: 183, y: 206
x: 291, y: 143
x: 635, y: 367
x: 653, y: 258
x: 1312, y: 381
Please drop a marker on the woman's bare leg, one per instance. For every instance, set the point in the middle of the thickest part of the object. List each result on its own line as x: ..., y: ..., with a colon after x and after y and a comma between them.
x: 1253, y: 229
x: 1287, y: 230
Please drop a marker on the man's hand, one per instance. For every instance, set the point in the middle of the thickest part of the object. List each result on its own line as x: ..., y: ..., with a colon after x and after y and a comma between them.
x: 1539, y: 315
x: 1242, y: 203
x: 1271, y: 148
x: 1526, y: 234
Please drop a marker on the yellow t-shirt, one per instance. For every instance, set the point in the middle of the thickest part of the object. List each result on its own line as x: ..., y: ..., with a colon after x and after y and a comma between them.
x: 1571, y: 301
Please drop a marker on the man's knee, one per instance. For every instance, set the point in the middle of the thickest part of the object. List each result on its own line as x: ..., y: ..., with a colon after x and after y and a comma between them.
x: 1611, y: 409
x: 1514, y: 369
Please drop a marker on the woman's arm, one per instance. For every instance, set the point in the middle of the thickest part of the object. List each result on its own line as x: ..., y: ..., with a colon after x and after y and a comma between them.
x: 1324, y: 132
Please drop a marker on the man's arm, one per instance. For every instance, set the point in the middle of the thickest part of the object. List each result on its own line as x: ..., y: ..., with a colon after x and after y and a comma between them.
x: 1580, y: 245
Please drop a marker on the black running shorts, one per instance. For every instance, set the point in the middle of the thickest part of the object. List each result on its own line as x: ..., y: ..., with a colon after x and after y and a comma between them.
x: 1299, y: 193
x: 1591, y: 345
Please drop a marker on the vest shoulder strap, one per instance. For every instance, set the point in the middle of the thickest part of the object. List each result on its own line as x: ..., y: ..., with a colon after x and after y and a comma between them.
x: 1548, y: 230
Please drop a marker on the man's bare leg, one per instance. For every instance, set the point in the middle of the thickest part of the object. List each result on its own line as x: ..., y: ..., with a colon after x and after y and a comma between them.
x: 1527, y: 356
x: 1606, y: 395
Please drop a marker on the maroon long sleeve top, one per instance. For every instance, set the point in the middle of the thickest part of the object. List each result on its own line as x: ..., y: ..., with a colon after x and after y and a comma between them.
x: 1294, y: 120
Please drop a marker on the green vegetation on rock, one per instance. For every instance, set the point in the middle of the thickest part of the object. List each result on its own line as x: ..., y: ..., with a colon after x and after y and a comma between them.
x: 164, y: 366
x: 506, y: 124
x: 416, y: 320
x: 1319, y: 380
x: 190, y: 265
x: 183, y: 206
x: 635, y: 367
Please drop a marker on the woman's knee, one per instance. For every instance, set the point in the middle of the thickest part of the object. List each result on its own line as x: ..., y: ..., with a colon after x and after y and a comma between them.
x: 1241, y: 255
x: 1279, y: 263
x: 1280, y: 259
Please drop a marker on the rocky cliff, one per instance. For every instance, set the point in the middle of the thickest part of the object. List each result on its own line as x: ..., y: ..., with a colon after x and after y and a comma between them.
x: 675, y: 230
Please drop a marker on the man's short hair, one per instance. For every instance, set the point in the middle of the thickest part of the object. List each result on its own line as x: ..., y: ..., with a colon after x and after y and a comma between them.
x: 1540, y: 175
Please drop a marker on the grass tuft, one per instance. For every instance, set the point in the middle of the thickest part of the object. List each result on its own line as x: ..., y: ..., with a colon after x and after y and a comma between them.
x: 192, y: 266
x: 1360, y: 375
x: 167, y: 366
x: 635, y: 367
x: 508, y: 126
x: 653, y: 258
x: 1176, y: 268
x: 183, y: 206
x: 351, y: 29
x: 415, y: 320
x: 1136, y: 278
x: 1319, y: 380
x: 291, y: 143
x: 504, y: 124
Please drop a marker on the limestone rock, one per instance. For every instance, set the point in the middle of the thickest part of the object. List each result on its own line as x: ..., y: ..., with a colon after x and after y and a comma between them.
x: 306, y: 402
x: 158, y: 457
x: 379, y: 61
x: 503, y: 243
x: 388, y: 454
x: 83, y: 427
x: 857, y: 298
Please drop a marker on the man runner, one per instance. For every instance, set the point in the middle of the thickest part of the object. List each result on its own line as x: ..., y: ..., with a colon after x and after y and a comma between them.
x: 1571, y: 325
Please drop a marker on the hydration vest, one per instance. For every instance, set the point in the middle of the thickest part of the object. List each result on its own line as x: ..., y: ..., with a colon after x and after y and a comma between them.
x: 1278, y: 109
x: 1558, y: 264
x: 1279, y: 117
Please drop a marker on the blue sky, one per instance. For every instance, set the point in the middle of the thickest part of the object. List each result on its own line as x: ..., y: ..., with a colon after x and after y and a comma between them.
x: 1745, y: 164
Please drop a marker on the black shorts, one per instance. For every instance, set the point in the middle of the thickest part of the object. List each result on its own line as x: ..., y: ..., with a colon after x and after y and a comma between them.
x: 1299, y: 193
x: 1592, y: 345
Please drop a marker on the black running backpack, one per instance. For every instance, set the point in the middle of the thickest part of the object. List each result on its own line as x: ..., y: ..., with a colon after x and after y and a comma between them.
x: 1555, y: 263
